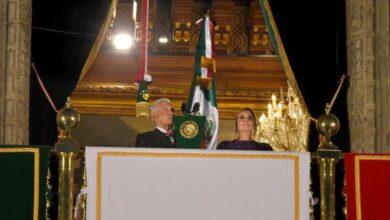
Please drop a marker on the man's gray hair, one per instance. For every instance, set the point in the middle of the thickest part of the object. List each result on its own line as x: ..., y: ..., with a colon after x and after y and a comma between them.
x: 155, y: 104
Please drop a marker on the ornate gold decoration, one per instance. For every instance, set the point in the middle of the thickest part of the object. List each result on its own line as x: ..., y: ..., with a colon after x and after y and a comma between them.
x: 132, y: 89
x: 189, y: 129
x: 344, y: 194
x: 81, y: 201
x: 221, y: 35
x: 217, y: 38
x: 182, y: 31
x: 256, y: 36
x: 142, y: 110
x: 111, y: 99
x: 203, y: 82
x: 49, y: 188
x: 208, y: 63
x: 186, y: 36
x: 286, y: 125
x: 248, y: 93
x: 265, y: 39
x: 177, y: 36
x: 128, y: 89
x: 35, y: 151
x: 256, y: 39
x: 100, y: 156
x: 84, y: 196
x: 146, y: 96
x: 177, y: 25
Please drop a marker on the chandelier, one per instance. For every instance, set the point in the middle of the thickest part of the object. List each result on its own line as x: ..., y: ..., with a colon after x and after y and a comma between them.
x: 286, y: 125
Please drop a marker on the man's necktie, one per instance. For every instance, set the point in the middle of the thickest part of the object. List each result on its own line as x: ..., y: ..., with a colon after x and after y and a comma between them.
x: 169, y: 136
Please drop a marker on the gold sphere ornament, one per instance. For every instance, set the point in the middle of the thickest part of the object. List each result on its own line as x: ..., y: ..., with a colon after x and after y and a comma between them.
x: 328, y: 125
x: 67, y: 119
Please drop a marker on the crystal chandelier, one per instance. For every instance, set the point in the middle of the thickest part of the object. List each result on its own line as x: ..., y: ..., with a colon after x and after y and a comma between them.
x: 286, y: 125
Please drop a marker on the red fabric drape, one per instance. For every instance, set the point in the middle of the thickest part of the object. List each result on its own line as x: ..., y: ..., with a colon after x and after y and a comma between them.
x: 144, y: 43
x: 367, y: 186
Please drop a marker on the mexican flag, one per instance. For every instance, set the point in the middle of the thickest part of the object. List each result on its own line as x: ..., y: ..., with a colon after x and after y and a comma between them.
x: 203, y: 87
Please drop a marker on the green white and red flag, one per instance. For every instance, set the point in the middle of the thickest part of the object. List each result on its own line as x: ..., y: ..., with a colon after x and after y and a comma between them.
x: 203, y: 86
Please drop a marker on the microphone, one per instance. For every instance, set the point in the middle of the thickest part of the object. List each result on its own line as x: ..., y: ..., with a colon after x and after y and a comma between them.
x: 184, y: 108
x: 196, y: 107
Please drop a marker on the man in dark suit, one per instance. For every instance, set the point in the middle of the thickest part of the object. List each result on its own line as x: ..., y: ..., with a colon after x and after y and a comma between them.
x: 161, y: 113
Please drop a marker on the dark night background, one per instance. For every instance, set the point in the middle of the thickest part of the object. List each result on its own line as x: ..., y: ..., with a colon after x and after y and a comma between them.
x: 313, y: 34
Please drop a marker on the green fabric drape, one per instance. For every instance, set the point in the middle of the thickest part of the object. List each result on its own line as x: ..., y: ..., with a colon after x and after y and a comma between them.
x: 23, y: 177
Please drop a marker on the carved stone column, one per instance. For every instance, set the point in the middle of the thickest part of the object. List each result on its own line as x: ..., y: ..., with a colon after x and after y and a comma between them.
x: 15, y: 39
x: 382, y: 75
x: 361, y: 99
x: 368, y: 64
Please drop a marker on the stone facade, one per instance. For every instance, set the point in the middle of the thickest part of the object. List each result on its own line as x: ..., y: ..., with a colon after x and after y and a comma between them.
x: 15, y: 39
x: 368, y: 65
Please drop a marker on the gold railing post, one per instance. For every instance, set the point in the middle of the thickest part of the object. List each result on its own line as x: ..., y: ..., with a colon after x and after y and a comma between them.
x: 327, y: 155
x: 327, y: 160
x: 66, y: 148
x: 65, y: 185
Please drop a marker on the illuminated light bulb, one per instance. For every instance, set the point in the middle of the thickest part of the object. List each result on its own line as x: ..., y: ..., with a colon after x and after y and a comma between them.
x: 123, y: 41
x: 270, y: 110
x: 262, y: 118
x: 273, y: 98
x: 163, y: 40
x: 280, y: 106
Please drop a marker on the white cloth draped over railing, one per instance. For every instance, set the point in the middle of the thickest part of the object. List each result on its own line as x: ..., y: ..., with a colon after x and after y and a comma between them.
x: 151, y: 184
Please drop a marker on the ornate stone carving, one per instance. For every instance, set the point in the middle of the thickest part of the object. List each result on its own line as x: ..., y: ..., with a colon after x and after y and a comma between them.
x: 382, y: 75
x: 15, y: 61
x: 361, y: 104
x: 368, y: 64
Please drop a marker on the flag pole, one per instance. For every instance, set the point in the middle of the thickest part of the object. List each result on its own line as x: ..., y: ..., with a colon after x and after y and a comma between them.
x: 143, y: 79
